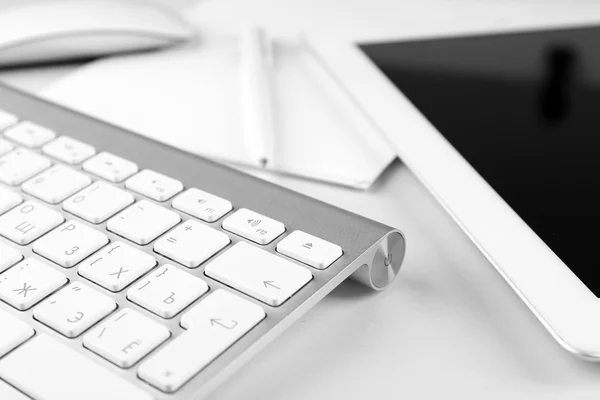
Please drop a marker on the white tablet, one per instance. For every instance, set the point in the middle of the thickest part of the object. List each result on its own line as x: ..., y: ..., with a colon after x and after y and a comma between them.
x: 504, y: 130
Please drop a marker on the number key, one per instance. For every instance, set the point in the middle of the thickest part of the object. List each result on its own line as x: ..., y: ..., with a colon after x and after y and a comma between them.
x: 29, y: 134
x: 69, y: 150
x: 19, y: 165
x: 154, y: 185
x: 98, y: 202
x: 110, y: 167
x: 56, y: 184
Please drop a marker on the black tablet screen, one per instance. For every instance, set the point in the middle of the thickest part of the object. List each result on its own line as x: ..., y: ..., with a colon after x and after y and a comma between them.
x: 524, y: 110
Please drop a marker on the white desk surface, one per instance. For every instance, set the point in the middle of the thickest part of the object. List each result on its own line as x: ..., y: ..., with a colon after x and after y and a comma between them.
x: 449, y: 327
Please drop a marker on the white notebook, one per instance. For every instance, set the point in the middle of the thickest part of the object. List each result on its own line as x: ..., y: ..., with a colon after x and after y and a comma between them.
x: 188, y: 97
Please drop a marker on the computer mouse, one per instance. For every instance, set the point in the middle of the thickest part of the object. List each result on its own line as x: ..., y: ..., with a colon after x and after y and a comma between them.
x: 46, y: 31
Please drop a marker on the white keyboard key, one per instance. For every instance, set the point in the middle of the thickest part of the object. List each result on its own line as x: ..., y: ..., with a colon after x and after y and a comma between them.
x: 69, y: 150
x: 29, y: 134
x: 202, y: 205
x: 309, y: 249
x: 8, y: 199
x: 191, y: 243
x: 7, y: 392
x: 110, y: 167
x: 28, y: 282
x: 253, y: 226
x: 154, y: 185
x: 7, y: 119
x: 167, y: 291
x: 126, y: 337
x: 258, y: 273
x: 13, y: 332
x: 74, y: 309
x: 215, y: 323
x: 116, y: 266
x: 20, y: 164
x: 70, y: 243
x: 9, y: 256
x: 46, y: 369
x: 143, y: 222
x: 27, y: 222
x: 5, y: 147
x: 98, y: 202
x: 56, y: 184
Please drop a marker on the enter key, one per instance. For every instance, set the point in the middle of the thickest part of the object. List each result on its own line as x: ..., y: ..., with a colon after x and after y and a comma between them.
x: 258, y: 273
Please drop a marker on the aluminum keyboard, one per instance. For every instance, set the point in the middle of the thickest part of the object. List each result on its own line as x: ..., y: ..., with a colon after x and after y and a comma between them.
x: 138, y: 283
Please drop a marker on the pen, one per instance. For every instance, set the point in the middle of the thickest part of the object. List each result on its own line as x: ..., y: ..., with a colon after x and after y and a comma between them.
x: 256, y: 95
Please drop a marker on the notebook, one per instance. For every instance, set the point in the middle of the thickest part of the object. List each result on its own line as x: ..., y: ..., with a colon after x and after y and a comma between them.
x: 188, y: 97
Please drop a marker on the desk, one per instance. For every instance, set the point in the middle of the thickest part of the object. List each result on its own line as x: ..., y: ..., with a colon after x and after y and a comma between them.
x: 449, y: 327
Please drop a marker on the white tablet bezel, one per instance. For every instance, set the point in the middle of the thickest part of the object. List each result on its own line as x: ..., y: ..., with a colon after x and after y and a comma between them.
x: 566, y: 307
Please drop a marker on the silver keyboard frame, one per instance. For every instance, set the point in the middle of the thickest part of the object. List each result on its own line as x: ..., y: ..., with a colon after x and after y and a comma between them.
x: 373, y: 252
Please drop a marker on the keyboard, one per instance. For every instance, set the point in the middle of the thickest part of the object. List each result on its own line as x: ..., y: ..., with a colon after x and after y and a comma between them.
x: 132, y: 270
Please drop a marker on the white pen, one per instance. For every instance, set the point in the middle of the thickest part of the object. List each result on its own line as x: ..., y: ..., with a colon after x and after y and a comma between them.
x: 256, y: 95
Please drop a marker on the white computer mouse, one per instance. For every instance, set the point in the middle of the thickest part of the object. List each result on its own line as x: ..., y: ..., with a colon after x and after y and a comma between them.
x: 42, y: 31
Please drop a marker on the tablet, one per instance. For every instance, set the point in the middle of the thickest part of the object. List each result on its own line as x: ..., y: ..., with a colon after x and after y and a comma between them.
x: 504, y: 130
